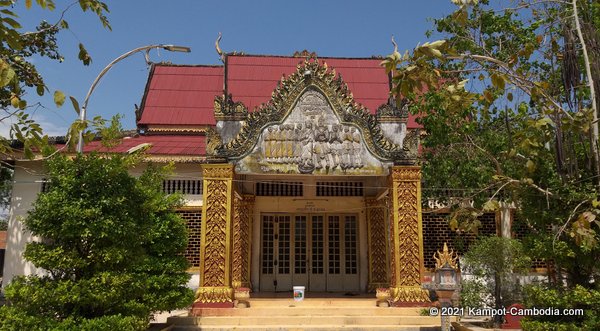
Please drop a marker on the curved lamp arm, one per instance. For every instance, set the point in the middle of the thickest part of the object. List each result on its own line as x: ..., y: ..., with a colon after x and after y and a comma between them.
x: 171, y: 48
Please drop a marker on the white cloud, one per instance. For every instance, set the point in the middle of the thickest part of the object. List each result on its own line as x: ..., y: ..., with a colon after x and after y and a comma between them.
x: 49, y: 125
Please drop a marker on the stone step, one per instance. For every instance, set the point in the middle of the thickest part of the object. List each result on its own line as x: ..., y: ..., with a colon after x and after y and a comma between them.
x: 288, y: 327
x: 310, y: 311
x: 313, y: 302
x: 301, y: 321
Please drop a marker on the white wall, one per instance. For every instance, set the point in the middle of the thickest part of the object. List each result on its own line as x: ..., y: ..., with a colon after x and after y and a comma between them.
x: 26, y: 186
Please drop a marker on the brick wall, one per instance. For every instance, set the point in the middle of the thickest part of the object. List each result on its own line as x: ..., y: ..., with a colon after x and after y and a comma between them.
x: 519, y: 231
x: 436, y: 231
x: 193, y: 220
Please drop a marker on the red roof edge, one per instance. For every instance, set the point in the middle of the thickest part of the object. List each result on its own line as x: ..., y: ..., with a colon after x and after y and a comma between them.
x: 143, y: 104
x: 373, y: 57
x: 151, y: 75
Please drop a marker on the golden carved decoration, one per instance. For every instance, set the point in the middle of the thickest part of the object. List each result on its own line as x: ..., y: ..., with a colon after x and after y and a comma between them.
x: 213, y: 171
x: 176, y: 129
x: 216, y: 221
x: 174, y: 158
x: 407, y: 236
x: 213, y: 141
x: 389, y: 112
x: 227, y: 109
x: 378, y: 265
x: 305, y: 53
x: 242, y: 219
x: 409, y: 294
x: 214, y: 294
x: 312, y: 75
x: 406, y: 174
x: 445, y: 257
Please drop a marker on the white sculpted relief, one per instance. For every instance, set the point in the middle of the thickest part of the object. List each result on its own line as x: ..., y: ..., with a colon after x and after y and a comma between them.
x: 311, y: 140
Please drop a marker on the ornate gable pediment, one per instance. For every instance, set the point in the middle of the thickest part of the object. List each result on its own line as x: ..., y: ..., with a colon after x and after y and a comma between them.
x: 312, y: 116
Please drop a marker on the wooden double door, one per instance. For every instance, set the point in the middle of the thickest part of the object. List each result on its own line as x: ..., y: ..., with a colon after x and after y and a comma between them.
x: 318, y: 251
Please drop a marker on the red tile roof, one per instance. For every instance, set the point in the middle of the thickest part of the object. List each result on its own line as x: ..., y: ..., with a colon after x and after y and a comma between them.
x: 252, y: 79
x: 161, y: 145
x: 184, y: 95
x: 181, y: 95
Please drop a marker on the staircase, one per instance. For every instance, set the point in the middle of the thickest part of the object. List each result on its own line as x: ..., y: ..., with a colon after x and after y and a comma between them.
x: 311, y: 314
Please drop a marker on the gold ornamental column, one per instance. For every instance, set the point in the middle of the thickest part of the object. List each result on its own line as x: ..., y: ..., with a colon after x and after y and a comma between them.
x: 243, y: 207
x: 215, y: 250
x: 406, y: 232
x: 378, y: 248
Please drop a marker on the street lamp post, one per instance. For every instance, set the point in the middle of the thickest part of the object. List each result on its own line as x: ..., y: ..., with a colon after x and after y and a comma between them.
x: 171, y: 48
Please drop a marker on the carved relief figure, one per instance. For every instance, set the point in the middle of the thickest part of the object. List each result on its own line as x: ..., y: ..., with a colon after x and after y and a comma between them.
x: 312, y: 139
x: 335, y: 141
x: 289, y: 143
x: 356, y: 148
x: 267, y: 143
x: 347, y: 148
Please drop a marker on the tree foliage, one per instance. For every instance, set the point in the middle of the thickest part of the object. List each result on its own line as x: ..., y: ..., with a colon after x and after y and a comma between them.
x: 496, y: 260
x: 19, y: 75
x: 112, y: 250
x: 506, y: 100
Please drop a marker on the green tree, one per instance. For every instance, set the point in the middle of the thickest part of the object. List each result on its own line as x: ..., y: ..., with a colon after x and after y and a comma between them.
x: 509, y: 103
x: 19, y: 75
x: 112, y: 250
x: 496, y: 260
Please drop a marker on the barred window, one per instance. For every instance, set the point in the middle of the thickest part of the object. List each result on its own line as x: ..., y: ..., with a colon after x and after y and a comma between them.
x: 279, y: 189
x: 340, y: 189
x: 183, y: 186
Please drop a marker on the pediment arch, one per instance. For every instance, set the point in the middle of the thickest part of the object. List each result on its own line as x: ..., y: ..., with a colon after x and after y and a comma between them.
x: 311, y: 94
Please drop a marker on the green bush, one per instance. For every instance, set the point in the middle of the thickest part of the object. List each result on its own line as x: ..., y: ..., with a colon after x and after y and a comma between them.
x: 112, y: 250
x: 579, y: 297
x: 495, y: 260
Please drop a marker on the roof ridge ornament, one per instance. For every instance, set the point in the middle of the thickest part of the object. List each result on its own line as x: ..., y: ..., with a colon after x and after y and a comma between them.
x: 285, y: 96
x: 305, y: 54
x: 218, y: 48
x: 228, y: 110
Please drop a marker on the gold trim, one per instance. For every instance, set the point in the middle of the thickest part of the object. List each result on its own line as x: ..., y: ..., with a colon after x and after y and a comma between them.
x: 178, y: 128
x: 242, y: 227
x: 377, y: 243
x: 217, y: 171
x: 215, y: 248
x: 407, y: 235
x: 409, y: 294
x: 214, y: 294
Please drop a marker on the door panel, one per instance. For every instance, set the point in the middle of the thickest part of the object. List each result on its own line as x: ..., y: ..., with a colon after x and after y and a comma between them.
x: 316, y: 251
x: 300, y: 275
x: 268, y: 253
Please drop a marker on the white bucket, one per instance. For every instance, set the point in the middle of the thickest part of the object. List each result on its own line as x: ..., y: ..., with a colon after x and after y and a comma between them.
x: 299, y: 293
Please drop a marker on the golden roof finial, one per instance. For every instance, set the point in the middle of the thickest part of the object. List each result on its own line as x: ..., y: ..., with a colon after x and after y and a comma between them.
x: 445, y: 257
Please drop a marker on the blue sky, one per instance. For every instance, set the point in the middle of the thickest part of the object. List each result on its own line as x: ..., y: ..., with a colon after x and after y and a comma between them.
x: 329, y: 28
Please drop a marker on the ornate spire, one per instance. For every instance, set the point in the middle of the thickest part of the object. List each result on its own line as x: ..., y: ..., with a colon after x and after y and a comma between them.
x: 445, y: 257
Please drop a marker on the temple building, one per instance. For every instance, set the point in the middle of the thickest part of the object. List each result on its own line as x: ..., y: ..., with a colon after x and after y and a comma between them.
x: 296, y: 170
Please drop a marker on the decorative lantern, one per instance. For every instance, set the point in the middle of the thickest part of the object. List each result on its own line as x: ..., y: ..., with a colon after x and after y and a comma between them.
x: 446, y: 276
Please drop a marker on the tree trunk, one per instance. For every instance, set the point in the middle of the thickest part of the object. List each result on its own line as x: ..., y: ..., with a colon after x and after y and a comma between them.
x: 592, y: 87
x: 498, y: 319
